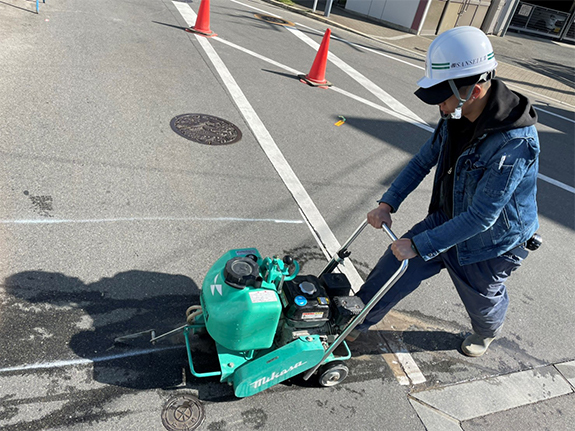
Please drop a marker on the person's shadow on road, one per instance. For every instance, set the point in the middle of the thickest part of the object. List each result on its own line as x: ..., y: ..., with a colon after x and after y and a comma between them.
x: 51, y: 318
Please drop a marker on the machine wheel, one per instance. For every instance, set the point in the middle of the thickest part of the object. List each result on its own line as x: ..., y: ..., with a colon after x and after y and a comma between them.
x: 333, y: 373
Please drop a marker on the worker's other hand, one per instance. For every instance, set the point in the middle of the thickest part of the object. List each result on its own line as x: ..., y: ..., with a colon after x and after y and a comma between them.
x: 380, y: 215
x: 402, y: 250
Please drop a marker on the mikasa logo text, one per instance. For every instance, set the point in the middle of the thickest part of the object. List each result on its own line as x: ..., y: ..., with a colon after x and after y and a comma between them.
x: 275, y: 375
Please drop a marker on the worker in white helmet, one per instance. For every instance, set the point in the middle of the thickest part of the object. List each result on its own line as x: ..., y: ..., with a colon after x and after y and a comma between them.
x: 483, y: 208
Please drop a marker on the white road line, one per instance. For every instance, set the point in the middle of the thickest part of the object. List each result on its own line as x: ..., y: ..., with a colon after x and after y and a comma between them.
x: 410, y: 120
x: 146, y: 219
x: 256, y: 55
x: 256, y: 8
x: 421, y: 125
x: 402, y: 36
x: 406, y: 361
x: 340, y: 39
x: 72, y: 362
x: 364, y: 47
x: 555, y: 115
x: 557, y: 183
x: 524, y: 89
x: 407, y: 119
x: 360, y: 78
x: 270, y: 148
x: 383, y: 54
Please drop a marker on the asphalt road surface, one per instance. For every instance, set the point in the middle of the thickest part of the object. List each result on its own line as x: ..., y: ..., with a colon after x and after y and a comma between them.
x: 110, y: 220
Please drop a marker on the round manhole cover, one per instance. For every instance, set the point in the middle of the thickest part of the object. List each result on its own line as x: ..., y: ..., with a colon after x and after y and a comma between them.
x: 183, y: 413
x: 206, y: 129
x: 274, y: 20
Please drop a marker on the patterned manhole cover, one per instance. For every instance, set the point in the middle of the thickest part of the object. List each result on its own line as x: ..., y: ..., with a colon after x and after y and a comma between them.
x: 206, y: 129
x: 183, y: 413
x: 273, y: 20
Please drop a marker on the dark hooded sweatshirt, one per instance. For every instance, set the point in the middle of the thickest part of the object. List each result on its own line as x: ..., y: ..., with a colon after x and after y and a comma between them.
x: 505, y: 110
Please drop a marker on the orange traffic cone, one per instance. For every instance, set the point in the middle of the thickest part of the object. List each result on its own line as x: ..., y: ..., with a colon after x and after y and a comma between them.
x: 316, y: 75
x: 202, y: 25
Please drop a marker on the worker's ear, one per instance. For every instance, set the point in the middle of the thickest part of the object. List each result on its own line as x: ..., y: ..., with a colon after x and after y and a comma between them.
x: 476, y: 91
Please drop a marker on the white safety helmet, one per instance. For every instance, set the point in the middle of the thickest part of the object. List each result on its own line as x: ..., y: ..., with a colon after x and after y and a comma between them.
x: 458, y: 57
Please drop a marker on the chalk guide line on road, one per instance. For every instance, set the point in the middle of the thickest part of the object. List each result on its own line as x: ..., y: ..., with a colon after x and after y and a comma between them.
x: 149, y: 219
x: 84, y: 361
x: 313, y: 217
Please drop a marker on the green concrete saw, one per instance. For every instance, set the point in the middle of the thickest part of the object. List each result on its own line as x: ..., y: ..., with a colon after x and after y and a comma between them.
x: 271, y: 323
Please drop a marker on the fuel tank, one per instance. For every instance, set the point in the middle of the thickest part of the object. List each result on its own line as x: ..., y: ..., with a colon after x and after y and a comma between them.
x: 241, y: 309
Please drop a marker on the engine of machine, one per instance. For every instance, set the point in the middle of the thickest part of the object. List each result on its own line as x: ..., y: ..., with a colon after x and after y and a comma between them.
x: 316, y: 306
x: 250, y: 302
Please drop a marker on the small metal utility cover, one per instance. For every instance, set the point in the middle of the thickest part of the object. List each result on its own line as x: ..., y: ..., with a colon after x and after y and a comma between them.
x: 183, y: 413
x: 274, y: 20
x: 206, y: 129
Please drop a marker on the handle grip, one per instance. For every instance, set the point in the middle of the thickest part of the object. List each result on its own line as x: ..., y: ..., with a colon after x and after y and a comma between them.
x: 359, y: 318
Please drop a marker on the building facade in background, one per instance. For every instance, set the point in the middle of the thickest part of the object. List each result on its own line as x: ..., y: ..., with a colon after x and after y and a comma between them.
x: 551, y: 19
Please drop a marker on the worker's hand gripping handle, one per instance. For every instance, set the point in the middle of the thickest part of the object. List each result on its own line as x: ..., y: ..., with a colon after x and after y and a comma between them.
x: 360, y: 317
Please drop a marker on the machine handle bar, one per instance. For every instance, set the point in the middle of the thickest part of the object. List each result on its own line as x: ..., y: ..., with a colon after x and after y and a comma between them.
x: 359, y: 318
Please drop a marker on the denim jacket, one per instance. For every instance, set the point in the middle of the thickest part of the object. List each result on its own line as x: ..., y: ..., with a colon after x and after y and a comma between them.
x: 494, y: 206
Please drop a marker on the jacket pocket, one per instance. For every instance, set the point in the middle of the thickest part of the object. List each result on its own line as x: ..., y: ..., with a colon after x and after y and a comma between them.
x: 497, y: 181
x: 500, y: 228
x: 473, y: 174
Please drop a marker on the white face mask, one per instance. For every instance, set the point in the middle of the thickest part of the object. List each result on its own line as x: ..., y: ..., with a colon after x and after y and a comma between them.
x: 456, y: 114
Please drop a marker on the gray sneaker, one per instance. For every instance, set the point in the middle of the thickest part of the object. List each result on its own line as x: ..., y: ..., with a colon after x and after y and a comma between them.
x: 476, y: 345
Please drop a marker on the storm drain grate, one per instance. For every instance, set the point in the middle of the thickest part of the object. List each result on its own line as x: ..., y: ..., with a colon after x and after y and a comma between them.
x: 274, y: 20
x: 183, y: 412
x: 206, y: 129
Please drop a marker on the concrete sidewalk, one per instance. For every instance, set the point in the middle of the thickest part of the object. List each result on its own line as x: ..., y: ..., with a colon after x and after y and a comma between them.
x: 543, y: 69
